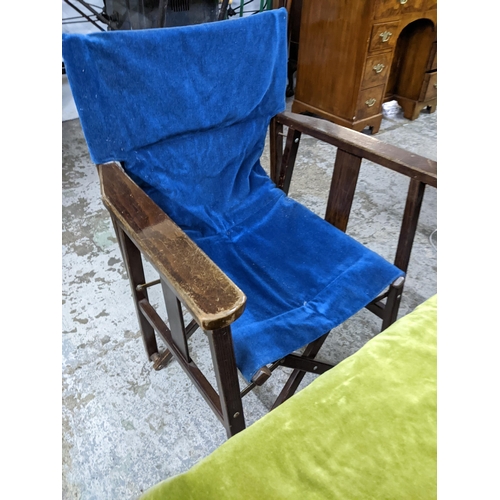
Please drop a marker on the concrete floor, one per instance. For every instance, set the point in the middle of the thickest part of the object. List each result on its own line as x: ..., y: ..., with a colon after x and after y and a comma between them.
x: 125, y: 426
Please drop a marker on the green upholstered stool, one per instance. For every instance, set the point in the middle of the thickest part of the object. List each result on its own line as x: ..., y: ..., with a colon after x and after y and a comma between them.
x: 366, y: 429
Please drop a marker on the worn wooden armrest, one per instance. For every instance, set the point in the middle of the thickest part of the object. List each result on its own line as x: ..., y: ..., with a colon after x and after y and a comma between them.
x: 210, y: 296
x: 412, y: 165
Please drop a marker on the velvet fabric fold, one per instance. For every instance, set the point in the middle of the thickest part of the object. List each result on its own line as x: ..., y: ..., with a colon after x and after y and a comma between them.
x: 187, y: 116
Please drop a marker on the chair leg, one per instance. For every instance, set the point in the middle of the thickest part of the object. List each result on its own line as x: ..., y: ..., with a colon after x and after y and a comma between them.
x: 392, y: 304
x: 288, y: 159
x: 175, y: 320
x: 135, y: 271
x: 275, y: 149
x: 297, y: 375
x: 226, y: 374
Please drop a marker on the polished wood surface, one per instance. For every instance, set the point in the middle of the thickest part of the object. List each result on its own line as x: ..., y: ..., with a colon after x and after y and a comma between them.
x: 294, y: 8
x: 354, y: 56
x: 211, y: 297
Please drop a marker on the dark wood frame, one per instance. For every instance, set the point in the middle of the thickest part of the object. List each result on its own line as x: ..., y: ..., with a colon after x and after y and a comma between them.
x: 189, y: 277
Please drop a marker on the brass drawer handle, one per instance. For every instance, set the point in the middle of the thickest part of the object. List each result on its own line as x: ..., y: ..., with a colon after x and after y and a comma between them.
x: 402, y: 2
x: 370, y: 102
x: 435, y: 85
x: 385, y: 36
x: 378, y: 68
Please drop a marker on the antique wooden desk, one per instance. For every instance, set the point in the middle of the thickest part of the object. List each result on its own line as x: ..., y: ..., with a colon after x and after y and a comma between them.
x: 355, y: 55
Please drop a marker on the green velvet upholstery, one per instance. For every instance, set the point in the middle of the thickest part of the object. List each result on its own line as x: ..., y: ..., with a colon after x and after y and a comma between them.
x: 364, y: 430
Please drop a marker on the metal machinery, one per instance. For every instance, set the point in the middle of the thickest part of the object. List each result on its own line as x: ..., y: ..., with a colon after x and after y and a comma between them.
x: 143, y: 14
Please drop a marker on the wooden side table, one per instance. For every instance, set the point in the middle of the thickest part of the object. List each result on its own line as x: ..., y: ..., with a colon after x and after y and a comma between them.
x: 355, y: 55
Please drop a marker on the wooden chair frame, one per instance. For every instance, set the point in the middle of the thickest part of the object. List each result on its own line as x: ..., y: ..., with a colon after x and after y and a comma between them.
x: 189, y: 278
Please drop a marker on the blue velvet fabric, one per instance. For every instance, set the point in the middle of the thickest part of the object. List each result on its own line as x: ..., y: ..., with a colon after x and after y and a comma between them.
x: 186, y: 111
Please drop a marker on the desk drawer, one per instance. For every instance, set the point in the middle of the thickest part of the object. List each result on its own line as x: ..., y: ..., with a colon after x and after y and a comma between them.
x: 369, y: 102
x: 385, y: 9
x: 429, y: 87
x: 377, y: 70
x: 384, y: 36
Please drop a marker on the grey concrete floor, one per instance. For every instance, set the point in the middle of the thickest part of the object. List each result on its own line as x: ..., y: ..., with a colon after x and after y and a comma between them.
x: 126, y: 426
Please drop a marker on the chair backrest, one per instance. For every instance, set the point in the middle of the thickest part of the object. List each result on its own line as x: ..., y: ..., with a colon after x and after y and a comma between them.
x: 184, y: 109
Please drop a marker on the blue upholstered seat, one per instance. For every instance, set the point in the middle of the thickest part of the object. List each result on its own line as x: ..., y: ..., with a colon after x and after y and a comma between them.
x: 186, y: 111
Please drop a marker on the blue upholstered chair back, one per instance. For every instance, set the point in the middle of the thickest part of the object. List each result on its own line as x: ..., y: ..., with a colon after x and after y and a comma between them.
x: 185, y: 109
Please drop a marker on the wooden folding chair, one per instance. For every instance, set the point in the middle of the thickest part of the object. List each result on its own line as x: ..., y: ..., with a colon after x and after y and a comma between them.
x: 189, y: 277
x: 169, y: 159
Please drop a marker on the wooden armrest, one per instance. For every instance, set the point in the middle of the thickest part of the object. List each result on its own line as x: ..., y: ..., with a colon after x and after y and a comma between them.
x: 210, y: 296
x: 412, y: 165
